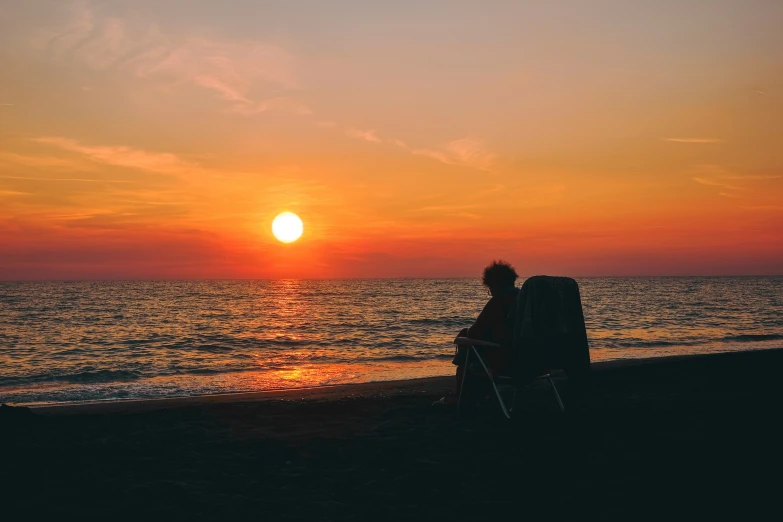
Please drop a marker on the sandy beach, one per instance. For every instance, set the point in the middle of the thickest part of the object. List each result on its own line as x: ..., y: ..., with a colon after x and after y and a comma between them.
x: 675, y: 438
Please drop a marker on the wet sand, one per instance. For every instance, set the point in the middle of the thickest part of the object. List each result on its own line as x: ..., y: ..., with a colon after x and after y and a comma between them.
x: 677, y: 438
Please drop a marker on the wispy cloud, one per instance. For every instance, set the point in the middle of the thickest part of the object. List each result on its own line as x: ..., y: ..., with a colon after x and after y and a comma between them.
x: 752, y: 177
x: 37, y: 161
x: 733, y: 184
x: 13, y: 193
x: 250, y: 77
x: 368, y: 135
x: 693, y: 140
x: 465, y: 152
x: 437, y: 155
x: 280, y: 103
x: 236, y: 71
x: 444, y: 208
x: 128, y: 157
x: 714, y: 183
x: 79, y: 180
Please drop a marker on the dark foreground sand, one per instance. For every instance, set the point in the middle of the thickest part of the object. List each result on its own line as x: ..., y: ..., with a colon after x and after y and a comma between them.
x: 689, y: 438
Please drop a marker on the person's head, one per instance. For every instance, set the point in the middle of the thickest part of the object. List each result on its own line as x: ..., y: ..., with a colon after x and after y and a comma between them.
x: 499, y: 275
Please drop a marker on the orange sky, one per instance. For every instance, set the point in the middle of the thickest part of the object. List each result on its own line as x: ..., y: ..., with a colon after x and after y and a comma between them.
x: 159, y: 139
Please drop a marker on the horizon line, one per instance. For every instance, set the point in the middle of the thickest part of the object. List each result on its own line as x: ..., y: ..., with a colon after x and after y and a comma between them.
x: 217, y: 279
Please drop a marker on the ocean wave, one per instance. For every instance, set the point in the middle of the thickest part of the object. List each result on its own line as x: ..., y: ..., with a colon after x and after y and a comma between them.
x: 83, y: 377
x: 218, y: 371
x: 108, y: 377
x: 396, y: 358
x: 743, y: 338
x: 408, y: 357
x: 445, y: 322
x: 101, y: 376
x: 639, y: 344
x: 752, y: 337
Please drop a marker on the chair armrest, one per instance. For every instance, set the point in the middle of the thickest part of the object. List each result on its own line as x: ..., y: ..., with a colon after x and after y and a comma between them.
x: 467, y: 341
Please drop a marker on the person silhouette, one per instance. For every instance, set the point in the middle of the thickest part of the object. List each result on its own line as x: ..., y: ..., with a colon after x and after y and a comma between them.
x: 495, y: 322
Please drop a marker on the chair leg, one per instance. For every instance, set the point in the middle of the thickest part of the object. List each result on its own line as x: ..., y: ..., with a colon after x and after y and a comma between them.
x: 557, y: 395
x: 494, y: 386
x: 464, y: 379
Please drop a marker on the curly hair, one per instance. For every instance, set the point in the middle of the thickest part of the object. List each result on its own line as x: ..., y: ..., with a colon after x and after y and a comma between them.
x: 499, y: 273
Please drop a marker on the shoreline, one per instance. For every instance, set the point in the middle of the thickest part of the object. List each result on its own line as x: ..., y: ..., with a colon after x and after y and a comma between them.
x: 372, y: 389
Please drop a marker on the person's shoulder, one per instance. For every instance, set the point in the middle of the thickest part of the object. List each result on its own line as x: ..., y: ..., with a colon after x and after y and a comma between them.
x: 490, y: 303
x: 495, y: 302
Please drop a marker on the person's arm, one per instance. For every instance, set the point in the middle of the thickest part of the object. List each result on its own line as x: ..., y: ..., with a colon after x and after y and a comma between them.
x: 482, y: 328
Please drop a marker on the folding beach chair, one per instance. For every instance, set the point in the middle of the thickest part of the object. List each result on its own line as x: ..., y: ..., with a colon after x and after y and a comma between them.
x: 549, y: 333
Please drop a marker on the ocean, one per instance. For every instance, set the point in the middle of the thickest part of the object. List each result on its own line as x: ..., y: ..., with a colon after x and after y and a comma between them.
x: 84, y: 341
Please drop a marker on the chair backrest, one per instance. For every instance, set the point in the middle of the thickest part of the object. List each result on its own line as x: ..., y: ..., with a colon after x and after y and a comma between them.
x: 549, y: 329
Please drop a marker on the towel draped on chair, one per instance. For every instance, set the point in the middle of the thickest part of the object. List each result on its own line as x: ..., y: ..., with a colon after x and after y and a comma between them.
x: 549, y: 330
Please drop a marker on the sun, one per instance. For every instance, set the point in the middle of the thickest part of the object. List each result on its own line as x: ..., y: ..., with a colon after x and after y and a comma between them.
x: 287, y: 227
